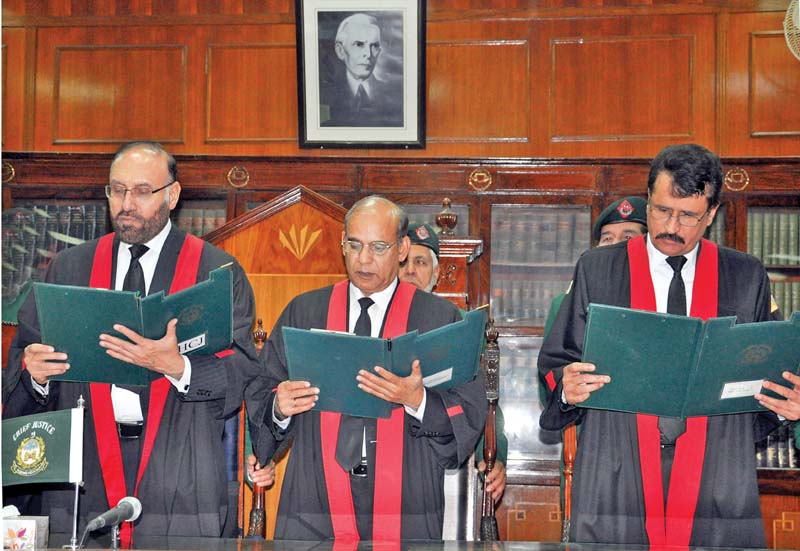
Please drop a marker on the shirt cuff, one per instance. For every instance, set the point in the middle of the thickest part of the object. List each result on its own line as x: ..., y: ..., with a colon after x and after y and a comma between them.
x: 44, y: 390
x: 418, y: 413
x: 283, y: 425
x: 182, y: 384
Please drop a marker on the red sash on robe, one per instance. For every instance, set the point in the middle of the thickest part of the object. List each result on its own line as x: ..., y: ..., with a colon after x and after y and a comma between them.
x: 108, y: 446
x: 387, y: 503
x: 674, y: 529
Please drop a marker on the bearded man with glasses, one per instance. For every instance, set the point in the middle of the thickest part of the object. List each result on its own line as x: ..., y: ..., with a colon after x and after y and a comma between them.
x: 383, y: 479
x: 660, y: 481
x: 182, y: 413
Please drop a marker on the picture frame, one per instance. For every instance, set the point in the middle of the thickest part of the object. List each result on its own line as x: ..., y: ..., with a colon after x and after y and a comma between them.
x: 366, y: 89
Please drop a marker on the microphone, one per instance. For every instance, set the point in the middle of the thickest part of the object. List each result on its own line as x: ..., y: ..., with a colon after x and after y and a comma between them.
x: 128, y: 509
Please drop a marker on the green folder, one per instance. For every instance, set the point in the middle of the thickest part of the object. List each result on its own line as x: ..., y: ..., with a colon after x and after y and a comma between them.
x: 72, y: 318
x: 677, y: 366
x: 331, y: 360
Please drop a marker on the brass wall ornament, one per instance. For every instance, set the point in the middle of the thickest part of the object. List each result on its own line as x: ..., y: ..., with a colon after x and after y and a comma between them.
x: 736, y: 179
x: 480, y: 179
x: 8, y: 172
x: 238, y: 176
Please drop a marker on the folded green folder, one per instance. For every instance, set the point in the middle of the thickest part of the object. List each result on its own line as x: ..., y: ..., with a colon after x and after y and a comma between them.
x: 330, y: 361
x: 72, y: 318
x: 677, y: 366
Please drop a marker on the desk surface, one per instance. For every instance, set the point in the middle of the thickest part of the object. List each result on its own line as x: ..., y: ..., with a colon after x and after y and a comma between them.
x: 218, y: 544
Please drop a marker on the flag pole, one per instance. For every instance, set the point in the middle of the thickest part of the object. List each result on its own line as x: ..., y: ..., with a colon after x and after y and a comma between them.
x: 73, y: 541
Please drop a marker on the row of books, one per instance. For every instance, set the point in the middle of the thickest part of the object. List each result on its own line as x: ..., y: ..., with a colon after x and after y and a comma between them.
x: 33, y: 234
x: 773, y: 235
x: 553, y: 237
x: 198, y: 221
x: 779, y: 450
x: 524, y: 301
x: 787, y: 296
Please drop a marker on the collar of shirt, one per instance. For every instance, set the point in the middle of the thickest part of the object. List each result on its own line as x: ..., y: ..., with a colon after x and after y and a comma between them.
x: 148, y: 260
x: 661, y: 273
x: 354, y: 83
x: 376, y: 312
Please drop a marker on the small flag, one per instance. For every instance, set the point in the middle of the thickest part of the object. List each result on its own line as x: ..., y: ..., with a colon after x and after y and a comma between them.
x: 46, y: 447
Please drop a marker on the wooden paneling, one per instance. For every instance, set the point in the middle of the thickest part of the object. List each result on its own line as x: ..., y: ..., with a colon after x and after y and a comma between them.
x: 13, y: 87
x: 762, y: 84
x: 623, y: 86
x: 530, y: 513
x: 497, y: 107
x: 98, y: 87
x: 526, y: 78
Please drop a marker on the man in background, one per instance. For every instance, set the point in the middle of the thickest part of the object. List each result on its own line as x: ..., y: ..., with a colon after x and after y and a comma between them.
x: 182, y: 481
x: 382, y: 479
x: 421, y: 269
x: 660, y: 481
x: 358, y: 97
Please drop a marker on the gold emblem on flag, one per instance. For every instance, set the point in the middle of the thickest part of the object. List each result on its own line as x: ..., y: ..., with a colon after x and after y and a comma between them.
x: 31, y: 459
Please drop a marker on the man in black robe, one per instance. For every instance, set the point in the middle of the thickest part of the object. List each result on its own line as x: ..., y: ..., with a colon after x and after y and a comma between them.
x: 179, y: 418
x: 626, y: 461
x: 394, y: 488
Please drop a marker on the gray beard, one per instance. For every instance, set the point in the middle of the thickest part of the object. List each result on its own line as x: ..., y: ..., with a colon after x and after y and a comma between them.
x: 149, y: 229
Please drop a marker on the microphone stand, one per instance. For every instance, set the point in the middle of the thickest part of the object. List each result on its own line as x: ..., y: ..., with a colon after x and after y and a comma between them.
x: 114, y: 537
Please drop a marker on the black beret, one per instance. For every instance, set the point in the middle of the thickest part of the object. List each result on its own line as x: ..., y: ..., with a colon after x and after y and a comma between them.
x: 627, y: 209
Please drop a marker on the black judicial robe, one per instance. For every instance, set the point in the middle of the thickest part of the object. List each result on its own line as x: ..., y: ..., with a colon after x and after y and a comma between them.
x: 439, y: 442
x: 607, y: 496
x: 184, y: 490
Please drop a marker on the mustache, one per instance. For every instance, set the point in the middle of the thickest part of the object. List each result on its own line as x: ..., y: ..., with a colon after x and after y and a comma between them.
x: 129, y: 214
x: 671, y: 237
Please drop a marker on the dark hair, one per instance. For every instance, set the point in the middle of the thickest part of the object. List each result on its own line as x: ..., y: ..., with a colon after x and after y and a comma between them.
x: 694, y: 170
x: 396, y: 210
x: 153, y: 147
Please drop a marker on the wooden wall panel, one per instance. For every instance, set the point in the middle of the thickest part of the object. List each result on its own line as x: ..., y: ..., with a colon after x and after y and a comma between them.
x: 13, y: 87
x: 632, y: 93
x: 97, y: 98
x: 623, y: 86
x: 100, y: 86
x: 761, y: 113
x: 268, y: 110
x: 496, y: 107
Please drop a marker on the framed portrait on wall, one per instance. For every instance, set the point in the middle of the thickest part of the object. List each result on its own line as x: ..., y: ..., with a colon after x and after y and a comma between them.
x: 361, y: 73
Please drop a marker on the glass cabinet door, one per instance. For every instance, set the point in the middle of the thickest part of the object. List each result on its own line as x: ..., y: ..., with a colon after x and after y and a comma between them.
x: 520, y: 401
x: 534, y: 249
x: 773, y: 235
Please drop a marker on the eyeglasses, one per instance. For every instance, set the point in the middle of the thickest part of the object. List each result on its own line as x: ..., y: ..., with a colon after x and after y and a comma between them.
x: 663, y: 214
x: 139, y: 193
x: 377, y: 248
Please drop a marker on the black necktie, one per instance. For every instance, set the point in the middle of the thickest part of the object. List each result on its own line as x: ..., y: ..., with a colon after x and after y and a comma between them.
x: 134, y: 279
x: 361, y: 100
x: 351, y: 429
x: 670, y: 427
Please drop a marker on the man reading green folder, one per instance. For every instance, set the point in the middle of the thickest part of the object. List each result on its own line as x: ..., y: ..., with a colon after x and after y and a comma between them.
x: 350, y: 478
x: 642, y: 479
x: 163, y: 442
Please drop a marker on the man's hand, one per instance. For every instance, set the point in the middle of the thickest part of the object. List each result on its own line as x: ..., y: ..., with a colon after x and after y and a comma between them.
x: 578, y: 382
x: 495, y: 480
x: 407, y: 391
x: 788, y: 408
x: 293, y: 397
x: 161, y: 356
x: 261, y: 476
x: 42, y: 362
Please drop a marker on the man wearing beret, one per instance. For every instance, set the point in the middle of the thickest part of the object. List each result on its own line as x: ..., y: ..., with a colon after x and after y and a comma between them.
x: 421, y: 269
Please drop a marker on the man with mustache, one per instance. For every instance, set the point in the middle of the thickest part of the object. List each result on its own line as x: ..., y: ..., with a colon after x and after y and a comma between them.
x: 162, y: 443
x: 673, y: 482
